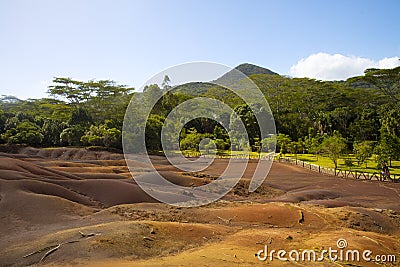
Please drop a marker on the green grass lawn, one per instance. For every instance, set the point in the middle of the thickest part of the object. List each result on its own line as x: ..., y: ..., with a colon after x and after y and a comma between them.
x: 326, y: 162
x: 320, y: 160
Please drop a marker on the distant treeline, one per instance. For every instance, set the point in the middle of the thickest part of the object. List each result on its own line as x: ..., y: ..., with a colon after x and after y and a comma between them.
x: 362, y: 112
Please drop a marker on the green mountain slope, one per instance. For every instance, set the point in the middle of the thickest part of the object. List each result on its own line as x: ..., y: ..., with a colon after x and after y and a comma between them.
x: 231, y: 77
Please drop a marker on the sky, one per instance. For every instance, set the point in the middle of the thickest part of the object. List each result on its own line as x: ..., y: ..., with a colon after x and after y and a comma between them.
x: 130, y: 41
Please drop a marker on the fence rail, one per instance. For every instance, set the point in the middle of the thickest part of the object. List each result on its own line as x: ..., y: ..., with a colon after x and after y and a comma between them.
x: 341, y: 173
x: 350, y: 174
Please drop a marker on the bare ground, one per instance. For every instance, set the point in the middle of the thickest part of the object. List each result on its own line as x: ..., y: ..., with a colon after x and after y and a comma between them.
x: 73, y: 206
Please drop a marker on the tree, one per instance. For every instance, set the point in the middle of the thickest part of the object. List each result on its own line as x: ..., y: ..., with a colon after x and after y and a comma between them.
x: 51, y: 131
x: 302, y: 145
x: 3, y: 119
x: 72, y: 136
x: 107, y: 101
x: 221, y: 138
x: 112, y: 138
x: 269, y: 143
x: 151, y: 93
x: 283, y: 142
x: 388, y: 148
x: 69, y: 89
x: 80, y: 116
x: 341, y: 118
x: 359, y: 109
x: 381, y: 155
x: 386, y: 80
x: 165, y: 84
x: 101, y: 99
x: 366, y: 124
x: 257, y: 146
x: 102, y: 136
x: 245, y: 114
x: 190, y: 140
x: 93, y: 136
x: 294, y: 147
x: 154, y: 126
x: 77, y: 92
x: 334, y: 146
x: 363, y: 151
x: 25, y: 133
x: 313, y: 144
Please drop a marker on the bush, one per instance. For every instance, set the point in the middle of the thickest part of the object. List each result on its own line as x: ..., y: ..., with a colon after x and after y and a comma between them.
x: 25, y: 133
x: 102, y: 136
x: 348, y: 163
x: 72, y: 136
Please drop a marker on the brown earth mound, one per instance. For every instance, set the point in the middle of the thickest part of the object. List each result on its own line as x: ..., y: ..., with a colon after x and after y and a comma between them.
x: 68, y: 206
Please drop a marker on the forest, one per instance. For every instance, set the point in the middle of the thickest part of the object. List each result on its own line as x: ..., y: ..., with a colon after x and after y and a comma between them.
x: 360, y: 115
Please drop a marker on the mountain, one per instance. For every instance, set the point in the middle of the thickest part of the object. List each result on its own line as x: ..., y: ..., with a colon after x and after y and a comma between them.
x: 247, y: 69
x: 231, y: 77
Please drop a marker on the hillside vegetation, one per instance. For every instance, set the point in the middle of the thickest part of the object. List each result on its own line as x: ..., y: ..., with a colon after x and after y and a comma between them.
x: 360, y: 115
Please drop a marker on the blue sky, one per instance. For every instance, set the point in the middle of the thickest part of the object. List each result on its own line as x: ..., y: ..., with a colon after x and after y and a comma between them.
x: 130, y: 41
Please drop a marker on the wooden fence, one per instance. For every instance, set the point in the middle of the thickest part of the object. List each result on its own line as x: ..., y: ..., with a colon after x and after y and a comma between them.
x: 350, y: 174
x: 341, y: 173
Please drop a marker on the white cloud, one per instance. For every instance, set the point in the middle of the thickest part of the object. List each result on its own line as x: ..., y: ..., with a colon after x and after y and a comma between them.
x: 388, y: 63
x: 323, y: 66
